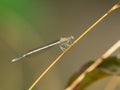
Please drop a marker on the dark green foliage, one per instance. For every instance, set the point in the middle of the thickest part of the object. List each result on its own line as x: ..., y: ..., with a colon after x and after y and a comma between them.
x: 110, y: 66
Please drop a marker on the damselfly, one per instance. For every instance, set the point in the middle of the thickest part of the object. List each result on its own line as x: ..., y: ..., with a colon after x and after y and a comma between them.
x: 64, y: 42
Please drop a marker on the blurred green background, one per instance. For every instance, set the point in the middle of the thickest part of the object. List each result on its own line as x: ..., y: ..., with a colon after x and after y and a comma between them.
x: 27, y: 24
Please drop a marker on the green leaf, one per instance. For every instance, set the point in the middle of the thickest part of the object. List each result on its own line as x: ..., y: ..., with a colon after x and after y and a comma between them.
x: 110, y: 66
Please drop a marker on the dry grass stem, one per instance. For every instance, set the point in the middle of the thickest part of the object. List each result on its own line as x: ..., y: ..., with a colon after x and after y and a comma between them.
x: 76, y: 41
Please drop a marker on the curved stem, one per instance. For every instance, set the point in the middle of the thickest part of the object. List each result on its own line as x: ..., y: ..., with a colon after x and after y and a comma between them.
x: 76, y: 41
x: 94, y: 65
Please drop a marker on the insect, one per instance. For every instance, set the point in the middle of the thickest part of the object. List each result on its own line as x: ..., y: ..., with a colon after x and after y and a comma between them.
x: 75, y: 41
x: 64, y: 42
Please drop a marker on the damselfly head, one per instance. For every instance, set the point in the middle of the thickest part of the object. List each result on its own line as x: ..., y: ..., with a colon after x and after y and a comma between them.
x: 71, y: 37
x: 66, y: 42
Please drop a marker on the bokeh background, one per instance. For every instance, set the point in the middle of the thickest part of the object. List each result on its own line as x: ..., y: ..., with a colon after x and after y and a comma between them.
x: 27, y: 24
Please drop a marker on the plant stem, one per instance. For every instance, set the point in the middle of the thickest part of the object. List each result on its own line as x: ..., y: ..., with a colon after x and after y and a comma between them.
x: 76, y: 41
x: 94, y: 65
